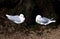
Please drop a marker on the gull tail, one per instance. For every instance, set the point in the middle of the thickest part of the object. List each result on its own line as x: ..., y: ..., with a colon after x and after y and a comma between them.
x: 53, y: 21
x: 7, y: 15
x: 50, y: 22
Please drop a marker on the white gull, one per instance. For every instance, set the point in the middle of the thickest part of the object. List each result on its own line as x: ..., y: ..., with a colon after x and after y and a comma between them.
x: 43, y: 20
x: 18, y: 19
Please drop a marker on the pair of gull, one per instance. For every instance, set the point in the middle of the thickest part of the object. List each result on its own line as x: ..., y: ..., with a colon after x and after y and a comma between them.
x: 18, y: 19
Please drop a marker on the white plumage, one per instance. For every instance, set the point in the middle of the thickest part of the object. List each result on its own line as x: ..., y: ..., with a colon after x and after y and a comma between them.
x: 18, y: 19
x: 43, y: 20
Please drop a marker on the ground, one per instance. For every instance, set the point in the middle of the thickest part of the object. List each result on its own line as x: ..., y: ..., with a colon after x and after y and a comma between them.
x: 47, y: 34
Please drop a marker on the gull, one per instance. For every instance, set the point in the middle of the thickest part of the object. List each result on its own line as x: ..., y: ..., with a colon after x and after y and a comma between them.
x: 43, y: 20
x: 18, y: 19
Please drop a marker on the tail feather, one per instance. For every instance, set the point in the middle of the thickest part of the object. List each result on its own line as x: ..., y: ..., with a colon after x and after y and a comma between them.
x: 50, y: 22
x: 53, y: 21
x: 7, y: 15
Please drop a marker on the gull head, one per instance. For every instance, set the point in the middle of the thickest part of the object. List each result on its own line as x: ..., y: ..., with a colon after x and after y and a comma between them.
x: 38, y: 16
x: 21, y: 15
x: 22, y: 18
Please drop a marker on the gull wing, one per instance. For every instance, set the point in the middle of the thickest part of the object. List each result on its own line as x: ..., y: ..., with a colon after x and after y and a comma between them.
x: 14, y: 18
x: 44, y: 20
